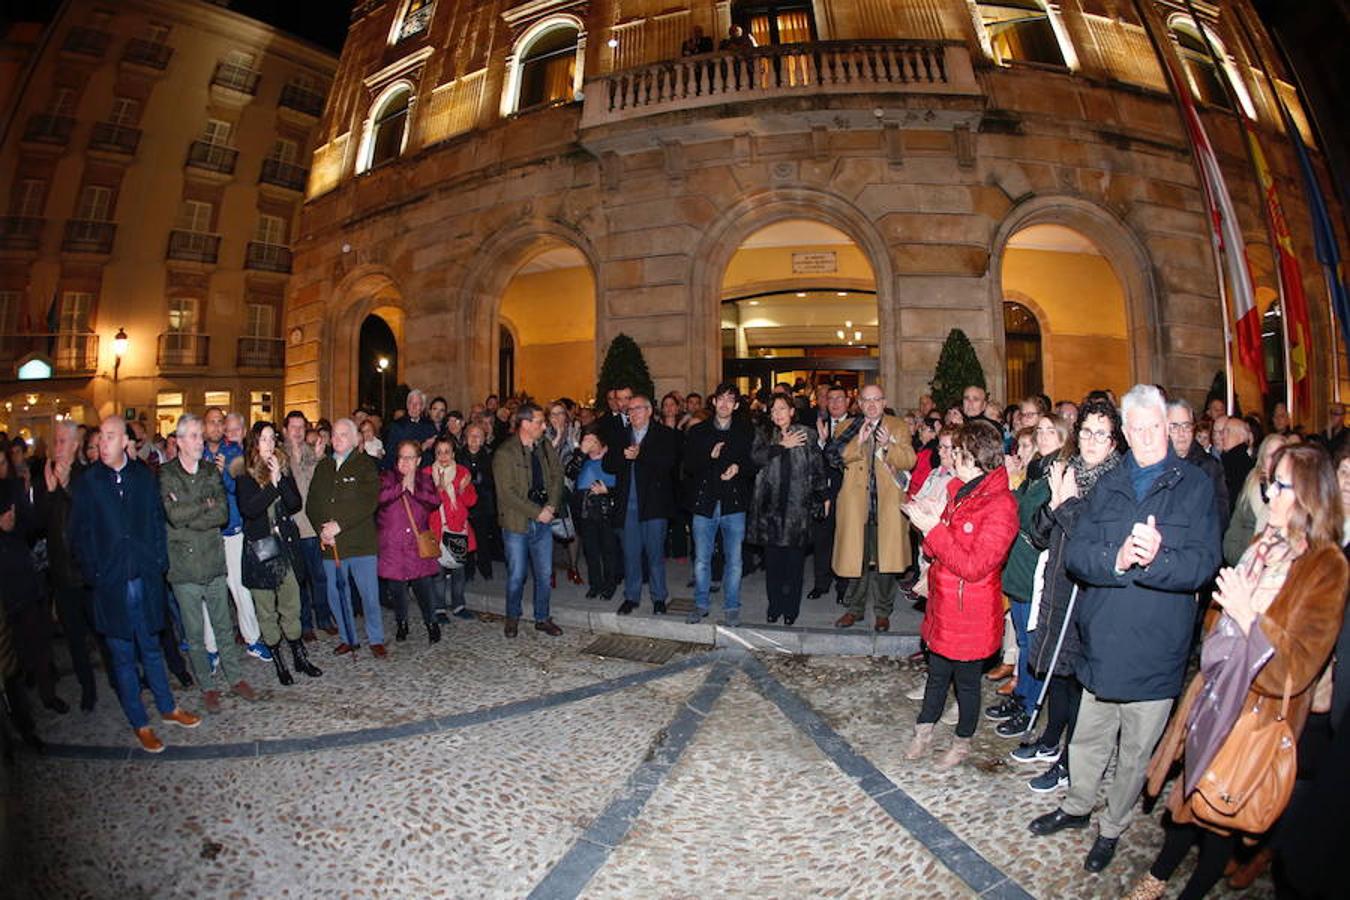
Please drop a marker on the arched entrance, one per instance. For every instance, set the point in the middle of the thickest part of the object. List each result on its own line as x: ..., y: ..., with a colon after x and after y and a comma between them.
x: 377, y: 365
x: 349, y: 363
x: 1022, y: 340
x: 799, y: 306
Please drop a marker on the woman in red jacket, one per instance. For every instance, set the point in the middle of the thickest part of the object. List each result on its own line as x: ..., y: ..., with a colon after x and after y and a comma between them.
x: 963, y: 622
x: 450, y: 522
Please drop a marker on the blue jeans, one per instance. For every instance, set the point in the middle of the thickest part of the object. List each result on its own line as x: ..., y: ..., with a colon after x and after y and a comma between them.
x: 529, y: 552
x: 124, y: 653
x: 1028, y: 685
x: 362, y: 570
x: 313, y: 587
x: 643, y: 539
x: 732, y: 526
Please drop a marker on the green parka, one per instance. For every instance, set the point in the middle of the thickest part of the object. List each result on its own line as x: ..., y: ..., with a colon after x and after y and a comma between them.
x: 195, y: 509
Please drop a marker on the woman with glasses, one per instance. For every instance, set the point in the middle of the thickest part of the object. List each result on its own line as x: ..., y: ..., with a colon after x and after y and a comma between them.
x: 1252, y: 507
x: 408, y: 496
x: 1283, y: 605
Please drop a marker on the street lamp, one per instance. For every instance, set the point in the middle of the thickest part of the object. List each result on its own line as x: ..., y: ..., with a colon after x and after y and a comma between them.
x: 382, y: 365
x: 119, y: 350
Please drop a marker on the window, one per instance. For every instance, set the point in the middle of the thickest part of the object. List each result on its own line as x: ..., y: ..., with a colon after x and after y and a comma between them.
x: 195, y: 215
x: 548, y: 67
x: 156, y: 33
x: 217, y: 132
x: 30, y: 196
x: 389, y: 127
x: 1022, y: 340
x: 72, y: 316
x: 416, y: 19
x: 168, y: 407
x: 261, y: 321
x: 183, y: 315
x: 777, y: 23
x: 125, y: 112
x: 217, y: 398
x: 270, y: 230
x: 95, y: 204
x: 240, y: 58
x: 1206, y: 82
x: 260, y: 406
x: 284, y: 150
x: 63, y: 102
x: 1022, y: 31
x: 9, y: 311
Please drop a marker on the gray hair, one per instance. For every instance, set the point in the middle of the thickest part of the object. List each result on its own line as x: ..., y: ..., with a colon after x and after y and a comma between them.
x: 417, y: 392
x: 350, y: 424
x: 1180, y: 403
x: 1142, y: 396
x: 184, y: 421
x: 236, y: 416
x: 66, y: 425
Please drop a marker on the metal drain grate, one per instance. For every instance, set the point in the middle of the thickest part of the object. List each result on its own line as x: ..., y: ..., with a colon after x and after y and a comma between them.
x: 637, y: 649
x: 680, y: 605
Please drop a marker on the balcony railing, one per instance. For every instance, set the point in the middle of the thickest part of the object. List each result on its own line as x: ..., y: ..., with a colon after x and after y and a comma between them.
x: 48, y: 129
x: 88, y: 236
x: 194, y: 246
x: 86, y: 41
x: 302, y: 100
x: 267, y: 257
x: 832, y: 67
x: 212, y: 157
x: 71, y: 353
x: 141, y: 52
x: 114, y: 138
x: 261, y: 353
x: 236, y: 78
x: 284, y: 174
x: 180, y: 350
x: 20, y: 232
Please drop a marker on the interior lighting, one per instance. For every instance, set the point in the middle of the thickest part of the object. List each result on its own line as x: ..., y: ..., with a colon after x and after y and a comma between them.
x: 613, y: 42
x: 801, y: 293
x: 841, y: 293
x: 857, y: 335
x: 840, y: 333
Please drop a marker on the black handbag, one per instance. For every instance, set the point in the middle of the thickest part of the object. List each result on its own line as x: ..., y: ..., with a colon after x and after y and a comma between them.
x: 265, y: 549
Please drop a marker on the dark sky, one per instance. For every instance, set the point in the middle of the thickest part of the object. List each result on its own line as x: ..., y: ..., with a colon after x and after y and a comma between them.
x: 322, y: 21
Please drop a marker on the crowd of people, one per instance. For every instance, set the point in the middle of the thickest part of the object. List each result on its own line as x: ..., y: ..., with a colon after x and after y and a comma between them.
x: 1081, y: 553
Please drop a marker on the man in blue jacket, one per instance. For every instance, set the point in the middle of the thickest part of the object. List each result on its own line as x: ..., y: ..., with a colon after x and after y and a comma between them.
x: 1148, y: 540
x: 117, y: 535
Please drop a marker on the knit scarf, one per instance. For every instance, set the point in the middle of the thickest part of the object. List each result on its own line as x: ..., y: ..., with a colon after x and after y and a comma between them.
x: 442, y: 475
x: 1088, y: 476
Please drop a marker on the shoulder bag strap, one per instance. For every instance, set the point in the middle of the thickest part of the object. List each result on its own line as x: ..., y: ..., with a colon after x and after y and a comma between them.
x: 408, y: 509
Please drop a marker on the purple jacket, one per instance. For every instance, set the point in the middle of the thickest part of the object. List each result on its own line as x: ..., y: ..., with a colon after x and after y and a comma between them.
x: 398, y: 544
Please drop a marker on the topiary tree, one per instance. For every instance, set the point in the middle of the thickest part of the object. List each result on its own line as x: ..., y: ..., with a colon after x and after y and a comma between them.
x: 957, y: 368
x: 624, y: 366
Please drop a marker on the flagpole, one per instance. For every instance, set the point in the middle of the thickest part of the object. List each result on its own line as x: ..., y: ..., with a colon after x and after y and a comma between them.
x: 1235, y: 108
x: 1217, y: 251
x: 1289, y: 125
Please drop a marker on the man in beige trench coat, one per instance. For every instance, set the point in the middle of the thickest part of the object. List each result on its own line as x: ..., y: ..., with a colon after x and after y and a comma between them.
x: 871, y: 541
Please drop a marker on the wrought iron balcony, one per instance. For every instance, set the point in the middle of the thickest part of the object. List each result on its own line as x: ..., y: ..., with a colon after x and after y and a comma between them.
x: 301, y: 100
x: 283, y: 174
x: 261, y: 353
x: 71, y: 353
x: 114, y: 138
x: 236, y: 78
x: 89, y: 236
x: 212, y: 157
x: 20, y: 232
x: 86, y: 41
x: 267, y: 257
x: 179, y: 350
x: 140, y: 52
x: 46, y: 128
x: 784, y: 70
x: 194, y: 246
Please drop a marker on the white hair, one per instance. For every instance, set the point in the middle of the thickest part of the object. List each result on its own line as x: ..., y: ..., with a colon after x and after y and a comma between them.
x: 350, y: 424
x: 1143, y: 396
x: 238, y: 417
x: 417, y: 392
x: 184, y: 421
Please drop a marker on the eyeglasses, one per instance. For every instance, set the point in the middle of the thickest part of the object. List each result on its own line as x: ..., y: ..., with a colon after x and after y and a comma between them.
x: 1100, y: 437
x: 1180, y: 427
x: 1276, y: 485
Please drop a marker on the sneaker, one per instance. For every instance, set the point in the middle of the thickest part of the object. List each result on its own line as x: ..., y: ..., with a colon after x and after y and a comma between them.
x: 917, y: 692
x: 150, y: 742
x: 463, y: 613
x: 951, y: 714
x: 732, y: 618
x: 1035, y: 752
x: 182, y: 717
x: 1013, y: 726
x: 214, y: 659
x: 1004, y: 709
x: 1053, y: 778
x: 442, y: 617
x: 258, y: 650
x: 695, y: 616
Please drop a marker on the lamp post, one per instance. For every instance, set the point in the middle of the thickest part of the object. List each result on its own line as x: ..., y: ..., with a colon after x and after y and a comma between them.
x: 382, y: 364
x: 119, y: 350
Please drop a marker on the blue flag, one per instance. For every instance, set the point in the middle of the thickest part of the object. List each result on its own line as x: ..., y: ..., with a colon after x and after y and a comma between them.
x: 1324, y: 235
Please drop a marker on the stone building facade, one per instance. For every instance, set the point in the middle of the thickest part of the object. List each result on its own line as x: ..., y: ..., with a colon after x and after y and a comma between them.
x: 462, y: 139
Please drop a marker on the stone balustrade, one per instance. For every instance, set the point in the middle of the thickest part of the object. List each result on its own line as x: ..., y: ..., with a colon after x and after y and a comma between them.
x: 823, y: 67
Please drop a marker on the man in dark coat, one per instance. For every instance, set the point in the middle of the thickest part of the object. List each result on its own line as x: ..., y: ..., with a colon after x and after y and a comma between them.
x: 415, y: 426
x: 1233, y: 438
x: 718, y: 479
x: 642, y: 459
x: 118, y: 537
x: 1147, y: 541
x: 1181, y: 432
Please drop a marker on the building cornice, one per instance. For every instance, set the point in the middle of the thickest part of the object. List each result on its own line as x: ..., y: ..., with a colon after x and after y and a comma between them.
x: 532, y: 9
x: 230, y: 25
x: 398, y: 67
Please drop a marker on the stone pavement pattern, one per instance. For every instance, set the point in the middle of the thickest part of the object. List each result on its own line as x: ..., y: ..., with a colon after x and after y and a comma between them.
x: 493, y: 781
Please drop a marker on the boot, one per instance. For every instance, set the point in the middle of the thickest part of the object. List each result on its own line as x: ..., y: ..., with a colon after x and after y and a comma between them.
x: 921, y: 742
x: 301, y: 657
x: 402, y: 633
x: 958, y: 751
x: 283, y: 673
x: 433, y: 632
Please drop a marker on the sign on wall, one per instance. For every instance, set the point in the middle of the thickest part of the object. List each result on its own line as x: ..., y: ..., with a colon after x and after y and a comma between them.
x: 822, y: 262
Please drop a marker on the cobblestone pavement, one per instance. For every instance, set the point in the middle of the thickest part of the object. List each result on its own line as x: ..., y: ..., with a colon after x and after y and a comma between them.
x: 482, y: 767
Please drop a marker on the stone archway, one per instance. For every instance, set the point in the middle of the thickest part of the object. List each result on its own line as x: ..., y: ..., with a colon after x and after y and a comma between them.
x: 1121, y: 248
x: 752, y: 213
x: 368, y: 291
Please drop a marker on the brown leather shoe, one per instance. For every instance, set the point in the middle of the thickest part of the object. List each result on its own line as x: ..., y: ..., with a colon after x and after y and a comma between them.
x: 548, y: 628
x: 883, y: 624
x: 342, y: 648
x: 1006, y: 688
x: 182, y: 717
x: 150, y: 742
x: 1252, y: 869
x: 245, y: 690
x: 847, y: 620
x: 330, y: 630
x: 999, y: 672
x: 512, y: 627
x: 308, y: 636
x: 378, y: 650
x: 211, y: 700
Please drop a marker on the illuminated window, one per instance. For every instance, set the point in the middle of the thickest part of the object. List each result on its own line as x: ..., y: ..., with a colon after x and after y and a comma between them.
x: 547, y: 65
x: 217, y: 398
x: 1203, y: 73
x: 259, y: 406
x: 1022, y: 341
x: 1021, y: 31
x: 388, y: 127
x: 416, y: 19
x: 790, y: 22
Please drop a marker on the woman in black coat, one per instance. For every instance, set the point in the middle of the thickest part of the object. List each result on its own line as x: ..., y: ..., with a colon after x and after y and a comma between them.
x: 791, y: 475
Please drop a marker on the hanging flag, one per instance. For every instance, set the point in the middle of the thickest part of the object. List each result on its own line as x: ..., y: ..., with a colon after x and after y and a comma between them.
x: 1324, y: 234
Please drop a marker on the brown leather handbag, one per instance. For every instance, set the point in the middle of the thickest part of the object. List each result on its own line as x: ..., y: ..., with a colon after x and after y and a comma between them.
x: 428, y: 546
x: 1249, y: 781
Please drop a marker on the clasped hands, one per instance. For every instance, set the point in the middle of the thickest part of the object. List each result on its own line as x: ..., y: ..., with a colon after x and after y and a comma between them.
x: 1141, y: 547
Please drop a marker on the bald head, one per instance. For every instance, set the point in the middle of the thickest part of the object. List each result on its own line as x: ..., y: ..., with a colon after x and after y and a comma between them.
x: 113, y: 441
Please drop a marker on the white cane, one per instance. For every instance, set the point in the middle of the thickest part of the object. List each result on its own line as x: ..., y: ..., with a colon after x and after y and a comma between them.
x: 1054, y: 660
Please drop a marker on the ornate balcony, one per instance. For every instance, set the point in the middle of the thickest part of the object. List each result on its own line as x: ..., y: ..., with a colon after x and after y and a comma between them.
x: 71, y: 353
x: 179, y: 350
x: 45, y: 128
x: 267, y: 257
x: 212, y: 157
x: 147, y: 54
x: 20, y: 232
x: 86, y: 42
x: 283, y: 175
x: 118, y: 140
x: 261, y: 353
x: 785, y: 70
x: 194, y: 246
x: 233, y: 85
x: 89, y: 236
x: 306, y: 102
